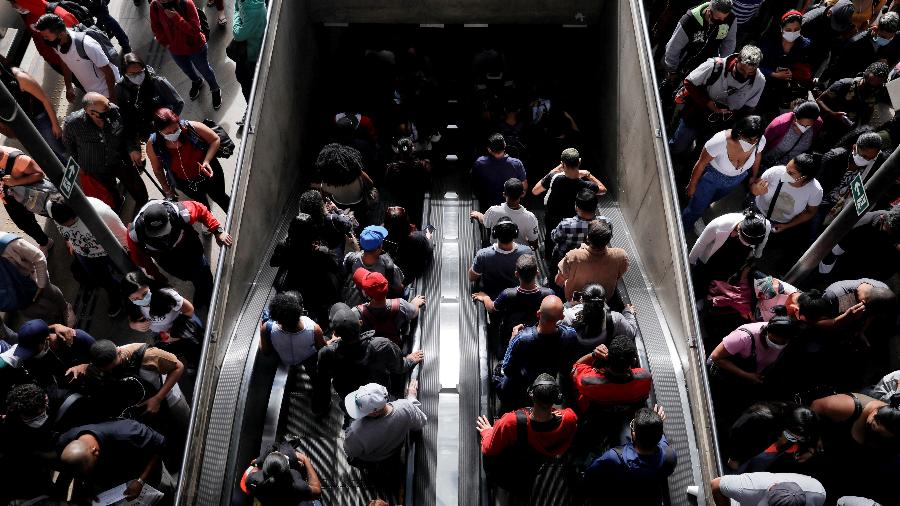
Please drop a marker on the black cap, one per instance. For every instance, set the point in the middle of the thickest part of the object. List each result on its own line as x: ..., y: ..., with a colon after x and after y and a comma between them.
x: 156, y: 219
x: 344, y: 322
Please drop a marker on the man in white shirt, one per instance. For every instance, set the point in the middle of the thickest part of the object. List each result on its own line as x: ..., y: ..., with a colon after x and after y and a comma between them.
x: 95, y: 73
x: 513, y: 190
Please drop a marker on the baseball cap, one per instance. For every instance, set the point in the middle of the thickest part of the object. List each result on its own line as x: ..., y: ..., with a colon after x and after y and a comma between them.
x: 373, y: 284
x: 786, y: 493
x: 841, y: 14
x: 156, y: 220
x: 371, y: 237
x: 365, y: 400
x: 343, y: 321
x: 31, y: 335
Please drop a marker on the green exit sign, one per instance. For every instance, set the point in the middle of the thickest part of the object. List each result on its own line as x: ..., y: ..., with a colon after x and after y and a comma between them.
x: 859, y: 195
x: 69, y: 177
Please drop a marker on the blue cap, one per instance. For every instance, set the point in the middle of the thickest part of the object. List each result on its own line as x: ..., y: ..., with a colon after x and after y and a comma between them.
x: 32, y: 335
x: 371, y: 237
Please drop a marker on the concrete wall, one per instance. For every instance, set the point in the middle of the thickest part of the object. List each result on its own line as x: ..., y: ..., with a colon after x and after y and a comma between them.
x: 267, y: 175
x: 456, y: 11
x: 646, y: 192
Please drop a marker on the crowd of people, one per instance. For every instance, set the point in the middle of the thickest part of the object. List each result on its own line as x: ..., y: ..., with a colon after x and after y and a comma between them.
x: 777, y: 109
x: 75, y: 408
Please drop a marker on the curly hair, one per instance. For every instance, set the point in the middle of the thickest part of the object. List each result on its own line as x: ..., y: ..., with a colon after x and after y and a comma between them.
x: 286, y: 308
x: 339, y: 165
x: 27, y: 399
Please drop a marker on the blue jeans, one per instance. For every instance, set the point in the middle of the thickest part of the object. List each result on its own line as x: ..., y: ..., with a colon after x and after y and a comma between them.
x: 682, y: 139
x: 713, y: 186
x: 45, y: 128
x: 109, y: 24
x: 200, y: 60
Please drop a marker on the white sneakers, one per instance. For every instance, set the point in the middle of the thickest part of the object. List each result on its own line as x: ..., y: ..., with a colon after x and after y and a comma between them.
x: 693, y: 490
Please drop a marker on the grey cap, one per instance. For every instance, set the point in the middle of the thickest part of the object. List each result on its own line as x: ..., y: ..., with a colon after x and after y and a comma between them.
x: 786, y: 493
x: 841, y: 14
x: 344, y: 322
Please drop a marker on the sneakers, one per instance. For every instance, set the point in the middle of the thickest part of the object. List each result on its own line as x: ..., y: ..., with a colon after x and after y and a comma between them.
x: 827, y: 263
x: 196, y: 86
x: 699, y: 226
x: 217, y: 99
x: 693, y: 490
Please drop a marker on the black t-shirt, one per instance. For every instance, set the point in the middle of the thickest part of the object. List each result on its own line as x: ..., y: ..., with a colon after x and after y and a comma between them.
x: 291, y: 490
x: 413, y: 255
x: 560, y: 198
x: 520, y: 306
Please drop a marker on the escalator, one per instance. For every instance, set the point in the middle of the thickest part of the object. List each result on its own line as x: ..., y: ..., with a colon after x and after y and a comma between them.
x: 245, y: 401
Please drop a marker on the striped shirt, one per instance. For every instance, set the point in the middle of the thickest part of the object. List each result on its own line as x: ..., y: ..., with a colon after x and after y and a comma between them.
x: 98, y: 150
x: 745, y: 10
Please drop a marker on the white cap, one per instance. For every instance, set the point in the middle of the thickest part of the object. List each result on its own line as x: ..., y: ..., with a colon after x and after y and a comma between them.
x: 366, y: 400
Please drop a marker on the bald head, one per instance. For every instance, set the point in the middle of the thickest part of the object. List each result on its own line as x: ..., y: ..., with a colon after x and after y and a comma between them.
x: 551, y: 309
x: 80, y: 455
x: 93, y: 98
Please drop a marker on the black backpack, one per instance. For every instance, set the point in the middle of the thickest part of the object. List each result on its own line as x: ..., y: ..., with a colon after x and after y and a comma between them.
x: 516, y: 466
x: 204, y: 22
x: 76, y: 8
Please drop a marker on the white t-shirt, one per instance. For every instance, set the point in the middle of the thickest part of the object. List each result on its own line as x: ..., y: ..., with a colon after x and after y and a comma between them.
x: 717, y: 147
x: 83, y: 240
x: 792, y: 200
x: 88, y: 70
x: 164, y: 322
x: 749, y: 489
x: 523, y: 218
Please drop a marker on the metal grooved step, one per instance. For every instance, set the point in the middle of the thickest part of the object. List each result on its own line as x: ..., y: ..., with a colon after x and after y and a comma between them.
x: 668, y: 377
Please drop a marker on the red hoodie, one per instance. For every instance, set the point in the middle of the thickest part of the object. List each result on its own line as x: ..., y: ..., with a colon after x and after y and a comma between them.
x: 551, y: 443
x: 179, y: 33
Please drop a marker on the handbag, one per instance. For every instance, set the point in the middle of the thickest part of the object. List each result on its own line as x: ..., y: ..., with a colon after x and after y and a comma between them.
x: 747, y: 363
x: 226, y: 144
x: 33, y: 197
x: 236, y: 51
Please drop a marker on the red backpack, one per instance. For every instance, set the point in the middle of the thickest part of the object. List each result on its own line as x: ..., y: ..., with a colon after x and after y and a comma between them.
x: 381, y: 322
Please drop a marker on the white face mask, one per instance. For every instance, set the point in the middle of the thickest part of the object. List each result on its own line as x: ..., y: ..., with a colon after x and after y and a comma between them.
x: 172, y: 137
x: 802, y: 128
x: 787, y: 179
x: 790, y: 36
x: 36, y: 423
x: 144, y: 301
x: 773, y: 345
x: 136, y: 80
x: 746, y: 146
x: 860, y: 161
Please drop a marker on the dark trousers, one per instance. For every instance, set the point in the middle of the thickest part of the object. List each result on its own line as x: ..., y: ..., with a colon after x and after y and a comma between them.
x: 103, y: 273
x: 130, y: 178
x: 213, y: 188
x: 25, y: 220
x: 243, y: 72
x: 187, y: 262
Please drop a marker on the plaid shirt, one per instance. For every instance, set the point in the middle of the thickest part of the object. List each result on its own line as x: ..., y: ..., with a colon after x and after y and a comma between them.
x: 569, y: 234
x: 98, y: 151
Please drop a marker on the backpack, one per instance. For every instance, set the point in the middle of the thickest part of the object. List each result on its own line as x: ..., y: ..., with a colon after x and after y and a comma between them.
x: 16, y: 290
x: 383, y: 322
x: 36, y: 196
x: 517, y: 465
x: 74, y: 7
x: 81, y: 31
x: 204, y: 22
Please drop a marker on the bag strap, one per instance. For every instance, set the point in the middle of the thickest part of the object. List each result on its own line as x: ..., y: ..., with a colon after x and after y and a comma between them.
x: 10, y: 161
x: 718, y: 68
x: 619, y: 454
x: 752, y: 344
x: 269, y: 329
x: 522, y: 427
x: 6, y: 239
x: 395, y: 307
x: 78, y: 37
x: 774, y: 199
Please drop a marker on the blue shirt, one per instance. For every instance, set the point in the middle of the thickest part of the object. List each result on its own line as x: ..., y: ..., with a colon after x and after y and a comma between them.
x: 489, y: 174
x: 641, y: 477
x: 531, y: 354
x: 498, y: 268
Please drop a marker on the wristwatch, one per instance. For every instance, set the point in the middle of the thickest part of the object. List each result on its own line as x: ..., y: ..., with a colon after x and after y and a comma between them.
x: 219, y: 230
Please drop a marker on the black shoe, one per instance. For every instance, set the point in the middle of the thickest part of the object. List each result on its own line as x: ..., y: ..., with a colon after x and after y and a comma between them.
x: 196, y: 86
x: 217, y: 99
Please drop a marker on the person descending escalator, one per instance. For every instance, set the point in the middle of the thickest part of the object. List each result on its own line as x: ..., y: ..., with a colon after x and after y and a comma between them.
x: 634, y: 473
x: 521, y: 441
x: 495, y: 266
x: 389, y: 318
x: 282, y: 476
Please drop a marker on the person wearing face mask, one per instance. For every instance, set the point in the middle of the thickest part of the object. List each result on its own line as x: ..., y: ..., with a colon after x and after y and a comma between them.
x: 727, y: 159
x: 26, y: 429
x: 185, y: 152
x: 726, y: 244
x: 851, y: 102
x: 792, y: 450
x: 839, y: 167
x: 176, y: 26
x: 791, y: 134
x: 155, y: 306
x: 789, y: 196
x: 95, y: 72
x: 31, y: 11
x: 875, y: 44
x: 141, y: 93
x: 96, y: 138
x: 704, y: 31
x: 828, y: 27
x: 785, y: 64
x: 713, y: 93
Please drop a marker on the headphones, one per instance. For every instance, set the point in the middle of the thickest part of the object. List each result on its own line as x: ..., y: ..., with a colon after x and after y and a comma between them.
x: 536, y: 384
x: 504, y: 227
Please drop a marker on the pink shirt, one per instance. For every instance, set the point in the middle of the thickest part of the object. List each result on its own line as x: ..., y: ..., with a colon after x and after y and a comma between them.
x: 738, y: 343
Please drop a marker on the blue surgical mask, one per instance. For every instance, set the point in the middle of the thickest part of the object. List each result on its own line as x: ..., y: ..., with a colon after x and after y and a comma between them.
x: 144, y: 301
x: 880, y: 41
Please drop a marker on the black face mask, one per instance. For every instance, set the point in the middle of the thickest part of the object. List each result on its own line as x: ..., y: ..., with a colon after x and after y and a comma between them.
x: 52, y: 43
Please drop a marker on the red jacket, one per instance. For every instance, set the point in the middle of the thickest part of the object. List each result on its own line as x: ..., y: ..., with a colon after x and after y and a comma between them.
x: 551, y: 444
x: 180, y: 33
x: 36, y: 9
x: 593, y: 387
x: 190, y: 211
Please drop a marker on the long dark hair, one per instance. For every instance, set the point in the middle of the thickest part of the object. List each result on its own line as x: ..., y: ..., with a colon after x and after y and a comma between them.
x: 591, y: 319
x: 161, y: 303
